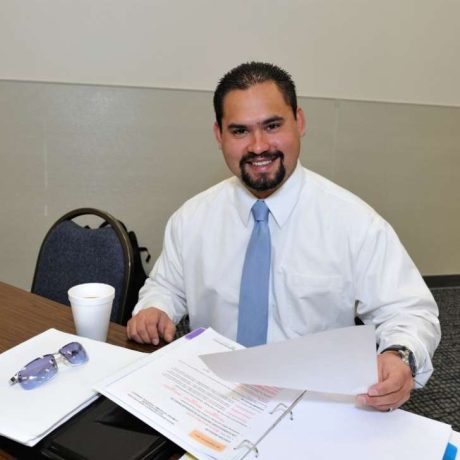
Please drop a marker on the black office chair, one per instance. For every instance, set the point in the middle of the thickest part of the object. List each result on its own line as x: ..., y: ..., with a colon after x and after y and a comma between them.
x: 71, y: 254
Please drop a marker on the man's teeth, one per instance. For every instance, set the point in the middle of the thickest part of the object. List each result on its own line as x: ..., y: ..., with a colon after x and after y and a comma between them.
x: 261, y: 163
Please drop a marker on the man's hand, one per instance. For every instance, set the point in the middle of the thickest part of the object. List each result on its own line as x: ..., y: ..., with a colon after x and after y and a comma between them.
x: 394, y: 386
x: 149, y: 325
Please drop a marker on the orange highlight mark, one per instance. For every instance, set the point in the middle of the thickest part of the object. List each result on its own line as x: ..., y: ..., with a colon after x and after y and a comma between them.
x: 207, y: 441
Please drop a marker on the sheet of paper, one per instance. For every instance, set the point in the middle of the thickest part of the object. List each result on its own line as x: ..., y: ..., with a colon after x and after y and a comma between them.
x: 174, y: 392
x: 324, y: 429
x: 335, y: 361
x: 26, y: 416
x: 454, y: 440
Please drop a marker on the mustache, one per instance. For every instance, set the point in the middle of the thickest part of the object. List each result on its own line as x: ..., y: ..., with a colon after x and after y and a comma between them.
x: 250, y: 156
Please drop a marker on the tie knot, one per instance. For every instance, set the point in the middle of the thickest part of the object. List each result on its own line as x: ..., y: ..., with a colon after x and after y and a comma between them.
x: 260, y: 211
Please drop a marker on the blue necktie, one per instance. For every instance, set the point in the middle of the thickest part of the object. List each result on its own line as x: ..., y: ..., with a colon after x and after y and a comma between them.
x: 253, y: 309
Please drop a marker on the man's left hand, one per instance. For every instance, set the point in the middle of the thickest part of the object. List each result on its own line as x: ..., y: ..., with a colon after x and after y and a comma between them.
x: 394, y: 386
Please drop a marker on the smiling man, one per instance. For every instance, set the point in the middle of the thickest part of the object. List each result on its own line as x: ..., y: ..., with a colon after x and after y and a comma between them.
x: 259, y: 134
x: 277, y: 251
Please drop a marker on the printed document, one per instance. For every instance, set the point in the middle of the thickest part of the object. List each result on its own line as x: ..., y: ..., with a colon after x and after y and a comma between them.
x: 174, y: 391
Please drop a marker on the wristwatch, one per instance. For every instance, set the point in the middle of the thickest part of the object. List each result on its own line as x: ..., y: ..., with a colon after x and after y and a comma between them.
x: 407, y: 357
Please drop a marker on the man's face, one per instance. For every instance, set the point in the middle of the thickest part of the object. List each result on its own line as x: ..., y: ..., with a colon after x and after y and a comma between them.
x: 260, y: 137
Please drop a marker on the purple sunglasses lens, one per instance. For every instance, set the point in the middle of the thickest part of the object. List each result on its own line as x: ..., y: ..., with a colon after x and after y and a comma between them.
x: 44, y: 368
x: 37, y: 371
x: 74, y: 353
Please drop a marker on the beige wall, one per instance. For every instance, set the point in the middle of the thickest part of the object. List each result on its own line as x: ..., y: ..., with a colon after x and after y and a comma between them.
x: 392, y: 50
x: 139, y: 153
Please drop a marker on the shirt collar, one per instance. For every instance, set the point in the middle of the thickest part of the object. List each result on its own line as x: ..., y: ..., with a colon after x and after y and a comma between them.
x: 281, y: 203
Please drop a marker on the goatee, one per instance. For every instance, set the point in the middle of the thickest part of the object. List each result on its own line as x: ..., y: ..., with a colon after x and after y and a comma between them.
x: 263, y: 182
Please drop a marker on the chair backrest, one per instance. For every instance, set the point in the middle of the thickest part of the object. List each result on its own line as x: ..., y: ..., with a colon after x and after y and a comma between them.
x: 71, y: 254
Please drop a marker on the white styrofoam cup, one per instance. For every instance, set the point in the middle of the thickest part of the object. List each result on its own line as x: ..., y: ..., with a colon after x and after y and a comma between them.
x: 91, y: 305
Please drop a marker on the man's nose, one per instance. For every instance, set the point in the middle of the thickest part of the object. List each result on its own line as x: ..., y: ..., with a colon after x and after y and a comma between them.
x: 259, y: 142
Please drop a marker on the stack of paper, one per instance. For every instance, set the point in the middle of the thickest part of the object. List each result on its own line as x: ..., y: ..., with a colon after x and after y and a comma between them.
x: 176, y: 393
x: 26, y: 416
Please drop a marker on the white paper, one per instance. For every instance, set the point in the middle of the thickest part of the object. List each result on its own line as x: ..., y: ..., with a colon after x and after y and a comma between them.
x: 170, y: 389
x: 324, y: 429
x: 174, y: 392
x: 334, y: 361
x: 454, y: 439
x: 26, y: 416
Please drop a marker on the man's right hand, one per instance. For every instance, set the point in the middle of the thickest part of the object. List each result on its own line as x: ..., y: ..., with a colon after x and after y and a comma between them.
x: 149, y: 325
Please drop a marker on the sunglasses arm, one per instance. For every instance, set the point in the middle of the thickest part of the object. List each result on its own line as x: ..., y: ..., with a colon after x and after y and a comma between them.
x: 14, y: 379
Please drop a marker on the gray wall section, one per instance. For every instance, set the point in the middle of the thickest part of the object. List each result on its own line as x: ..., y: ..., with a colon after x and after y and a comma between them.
x: 139, y: 153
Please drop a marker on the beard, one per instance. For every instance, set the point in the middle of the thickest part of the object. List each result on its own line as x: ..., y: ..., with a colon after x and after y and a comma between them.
x: 263, y: 182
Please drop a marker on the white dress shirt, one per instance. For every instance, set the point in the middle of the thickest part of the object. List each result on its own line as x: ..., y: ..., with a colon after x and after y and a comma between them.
x: 333, y: 258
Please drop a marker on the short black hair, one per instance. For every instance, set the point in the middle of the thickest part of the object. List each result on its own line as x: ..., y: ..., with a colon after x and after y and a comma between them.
x: 249, y: 74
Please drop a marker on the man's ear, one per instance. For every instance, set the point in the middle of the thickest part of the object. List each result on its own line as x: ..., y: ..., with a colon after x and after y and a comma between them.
x: 217, y: 133
x: 301, y: 122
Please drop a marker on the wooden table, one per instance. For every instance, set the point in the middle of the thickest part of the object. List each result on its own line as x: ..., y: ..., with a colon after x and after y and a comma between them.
x: 24, y: 315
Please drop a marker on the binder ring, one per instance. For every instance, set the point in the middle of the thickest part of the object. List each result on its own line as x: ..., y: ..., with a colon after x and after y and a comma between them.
x: 282, y: 407
x: 248, y: 445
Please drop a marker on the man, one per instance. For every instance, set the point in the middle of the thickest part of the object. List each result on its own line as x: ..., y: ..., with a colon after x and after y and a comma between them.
x: 332, y: 257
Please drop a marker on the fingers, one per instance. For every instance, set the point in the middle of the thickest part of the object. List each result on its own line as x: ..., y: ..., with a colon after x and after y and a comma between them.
x: 394, y: 386
x: 136, y: 331
x: 149, y: 325
x: 167, y: 328
x: 148, y: 329
x: 385, y: 401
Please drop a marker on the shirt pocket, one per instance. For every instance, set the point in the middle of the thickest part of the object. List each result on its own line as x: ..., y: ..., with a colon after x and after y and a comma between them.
x: 308, y: 304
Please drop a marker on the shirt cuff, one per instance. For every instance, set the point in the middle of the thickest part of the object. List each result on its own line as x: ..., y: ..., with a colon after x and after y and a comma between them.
x: 157, y: 302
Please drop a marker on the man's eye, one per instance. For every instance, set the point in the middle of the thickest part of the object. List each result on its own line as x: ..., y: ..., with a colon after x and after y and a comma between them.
x: 238, y: 131
x: 273, y: 126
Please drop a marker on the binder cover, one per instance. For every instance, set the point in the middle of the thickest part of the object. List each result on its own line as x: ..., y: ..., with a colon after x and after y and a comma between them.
x: 105, y: 430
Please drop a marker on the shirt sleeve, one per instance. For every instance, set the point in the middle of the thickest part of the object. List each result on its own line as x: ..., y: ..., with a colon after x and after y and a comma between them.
x: 392, y: 295
x: 164, y: 288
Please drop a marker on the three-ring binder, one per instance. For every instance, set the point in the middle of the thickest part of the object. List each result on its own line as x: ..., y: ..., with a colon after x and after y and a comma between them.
x: 252, y: 446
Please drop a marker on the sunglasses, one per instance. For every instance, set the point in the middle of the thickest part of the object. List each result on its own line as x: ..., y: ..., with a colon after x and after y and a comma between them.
x: 42, y: 369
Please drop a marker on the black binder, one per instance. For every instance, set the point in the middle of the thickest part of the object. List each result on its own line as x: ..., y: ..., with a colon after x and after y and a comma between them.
x: 105, y: 430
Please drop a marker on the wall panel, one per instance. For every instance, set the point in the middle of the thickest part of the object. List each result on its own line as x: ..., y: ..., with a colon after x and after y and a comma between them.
x: 139, y: 153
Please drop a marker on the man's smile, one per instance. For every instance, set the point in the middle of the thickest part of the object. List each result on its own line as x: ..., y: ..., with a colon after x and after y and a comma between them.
x: 262, y: 162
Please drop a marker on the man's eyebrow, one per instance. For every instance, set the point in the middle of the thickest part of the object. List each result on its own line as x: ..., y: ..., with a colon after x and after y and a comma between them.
x: 236, y: 126
x: 273, y: 119
x: 266, y: 122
